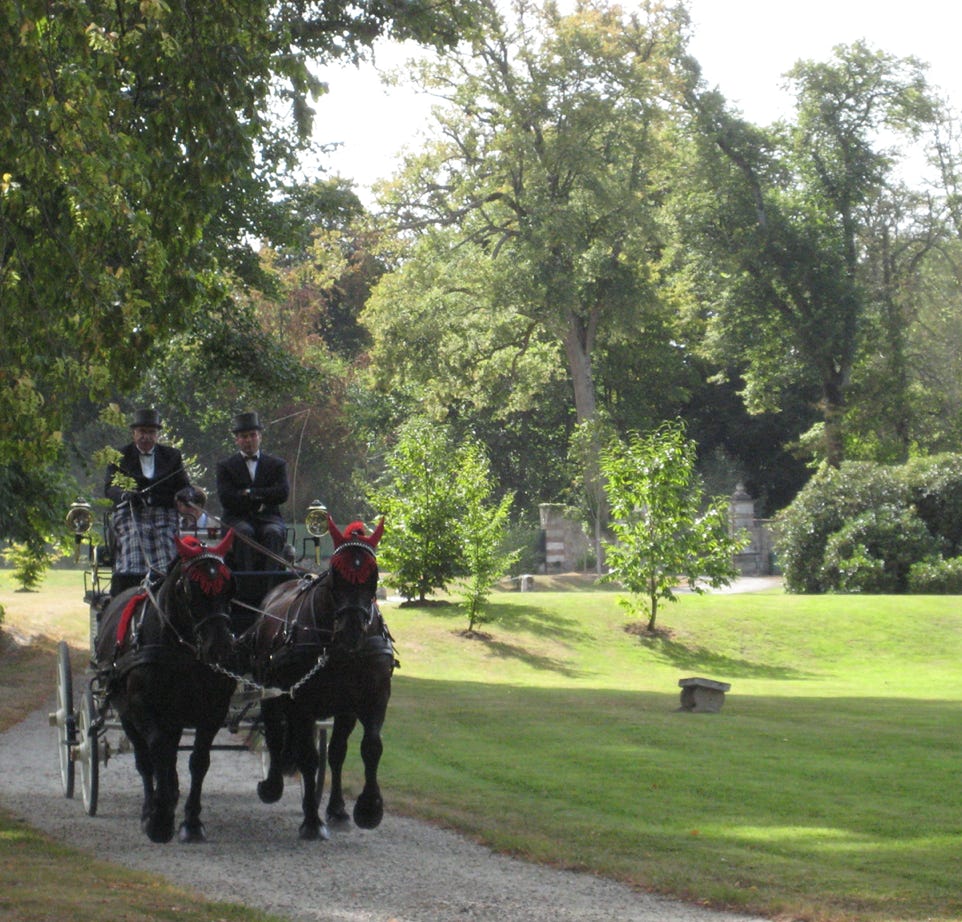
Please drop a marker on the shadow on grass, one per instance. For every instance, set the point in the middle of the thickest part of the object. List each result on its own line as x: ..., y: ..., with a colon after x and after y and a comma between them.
x: 502, y: 650
x: 693, y: 658
x: 528, y: 618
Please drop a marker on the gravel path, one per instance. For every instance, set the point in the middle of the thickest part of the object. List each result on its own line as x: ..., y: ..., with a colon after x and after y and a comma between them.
x: 404, y: 871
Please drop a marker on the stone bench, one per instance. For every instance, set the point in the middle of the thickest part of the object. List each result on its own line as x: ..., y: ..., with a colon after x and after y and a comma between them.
x: 522, y: 583
x: 702, y: 695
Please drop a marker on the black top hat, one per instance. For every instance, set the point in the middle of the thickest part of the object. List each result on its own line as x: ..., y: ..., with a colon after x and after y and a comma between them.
x: 244, y: 422
x: 145, y: 419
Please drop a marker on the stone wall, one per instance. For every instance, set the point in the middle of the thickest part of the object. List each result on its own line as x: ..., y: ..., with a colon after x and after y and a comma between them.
x: 566, y: 546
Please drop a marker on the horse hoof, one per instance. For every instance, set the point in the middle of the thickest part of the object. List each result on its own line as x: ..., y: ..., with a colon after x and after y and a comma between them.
x: 269, y: 793
x: 159, y: 833
x: 311, y: 833
x: 338, y: 818
x: 192, y: 834
x: 368, y: 816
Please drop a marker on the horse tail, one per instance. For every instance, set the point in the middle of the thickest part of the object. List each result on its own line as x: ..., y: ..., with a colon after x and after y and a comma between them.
x: 288, y: 761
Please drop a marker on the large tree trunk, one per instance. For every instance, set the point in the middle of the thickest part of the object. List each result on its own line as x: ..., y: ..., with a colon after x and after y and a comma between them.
x: 578, y: 350
x: 833, y: 412
x: 578, y: 341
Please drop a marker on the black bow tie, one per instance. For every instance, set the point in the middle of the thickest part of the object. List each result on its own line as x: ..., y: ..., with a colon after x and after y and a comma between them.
x: 250, y: 457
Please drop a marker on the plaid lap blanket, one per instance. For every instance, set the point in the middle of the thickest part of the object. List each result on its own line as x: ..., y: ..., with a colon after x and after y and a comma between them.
x: 145, y: 538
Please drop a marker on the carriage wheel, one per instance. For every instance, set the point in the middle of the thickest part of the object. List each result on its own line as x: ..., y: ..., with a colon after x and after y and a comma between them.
x: 63, y: 719
x: 88, y: 753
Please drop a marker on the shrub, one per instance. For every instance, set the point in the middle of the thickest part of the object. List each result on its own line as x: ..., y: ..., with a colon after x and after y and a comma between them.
x: 29, y: 564
x: 936, y: 577
x: 935, y: 485
x: 875, y: 551
x: 832, y: 498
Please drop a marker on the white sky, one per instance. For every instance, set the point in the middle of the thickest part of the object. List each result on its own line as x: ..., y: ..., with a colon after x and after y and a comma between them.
x: 744, y: 47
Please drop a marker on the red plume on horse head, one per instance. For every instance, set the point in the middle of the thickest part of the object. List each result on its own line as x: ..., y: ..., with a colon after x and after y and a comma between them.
x: 355, y: 532
x: 189, y: 547
x: 359, y: 567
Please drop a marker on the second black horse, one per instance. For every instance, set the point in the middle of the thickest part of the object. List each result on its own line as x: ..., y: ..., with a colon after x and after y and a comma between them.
x: 322, y: 644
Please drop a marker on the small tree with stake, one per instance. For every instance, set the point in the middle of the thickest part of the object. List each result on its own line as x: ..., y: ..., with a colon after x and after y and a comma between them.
x: 665, y: 529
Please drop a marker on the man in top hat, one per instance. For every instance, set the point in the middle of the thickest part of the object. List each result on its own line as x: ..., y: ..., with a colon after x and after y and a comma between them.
x: 143, y: 483
x: 252, y: 485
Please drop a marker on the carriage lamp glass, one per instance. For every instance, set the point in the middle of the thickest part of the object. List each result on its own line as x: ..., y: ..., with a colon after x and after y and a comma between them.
x: 79, y: 517
x: 316, y: 518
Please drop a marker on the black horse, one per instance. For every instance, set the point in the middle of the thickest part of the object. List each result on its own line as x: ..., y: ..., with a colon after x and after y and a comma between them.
x: 157, y: 655
x: 323, y: 643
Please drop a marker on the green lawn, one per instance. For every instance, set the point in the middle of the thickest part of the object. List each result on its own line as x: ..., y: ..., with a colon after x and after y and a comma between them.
x: 824, y: 790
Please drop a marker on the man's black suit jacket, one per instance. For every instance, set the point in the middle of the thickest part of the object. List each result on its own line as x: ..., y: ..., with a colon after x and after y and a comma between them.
x: 169, y: 475
x: 268, y: 490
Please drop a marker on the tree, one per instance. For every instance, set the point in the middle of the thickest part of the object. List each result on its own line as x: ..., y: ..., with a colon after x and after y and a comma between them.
x: 901, y: 244
x: 420, y: 500
x: 141, y: 144
x: 664, y: 529
x: 536, y: 208
x: 482, y: 527
x: 784, y: 216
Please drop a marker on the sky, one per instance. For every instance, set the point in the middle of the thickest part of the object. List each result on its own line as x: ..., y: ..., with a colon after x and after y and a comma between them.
x: 743, y: 46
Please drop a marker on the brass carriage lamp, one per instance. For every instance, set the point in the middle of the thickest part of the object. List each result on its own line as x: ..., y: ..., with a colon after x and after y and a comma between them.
x: 79, y: 520
x: 316, y: 523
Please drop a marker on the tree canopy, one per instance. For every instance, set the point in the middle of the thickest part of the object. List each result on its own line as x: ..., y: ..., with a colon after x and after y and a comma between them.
x: 786, y: 221
x: 140, y: 147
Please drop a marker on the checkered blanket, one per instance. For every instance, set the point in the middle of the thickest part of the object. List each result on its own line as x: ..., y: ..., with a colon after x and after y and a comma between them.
x: 145, y: 538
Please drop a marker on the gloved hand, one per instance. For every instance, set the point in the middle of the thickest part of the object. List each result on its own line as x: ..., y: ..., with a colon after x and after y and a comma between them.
x: 131, y: 496
x: 190, y: 496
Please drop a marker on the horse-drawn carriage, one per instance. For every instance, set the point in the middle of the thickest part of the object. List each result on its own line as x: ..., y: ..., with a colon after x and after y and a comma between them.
x: 271, y: 657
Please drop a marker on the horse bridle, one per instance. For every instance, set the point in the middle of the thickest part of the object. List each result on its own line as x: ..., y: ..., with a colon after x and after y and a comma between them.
x: 180, y: 587
x: 367, y: 612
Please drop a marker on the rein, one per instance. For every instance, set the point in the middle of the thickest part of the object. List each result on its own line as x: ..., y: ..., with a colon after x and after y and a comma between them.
x: 302, y: 607
x: 250, y: 542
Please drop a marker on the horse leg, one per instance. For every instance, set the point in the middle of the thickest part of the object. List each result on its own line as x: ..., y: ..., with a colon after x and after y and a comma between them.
x: 192, y: 829
x: 145, y: 769
x: 162, y: 745
x: 369, y: 806
x: 306, y: 757
x: 336, y: 754
x: 275, y: 729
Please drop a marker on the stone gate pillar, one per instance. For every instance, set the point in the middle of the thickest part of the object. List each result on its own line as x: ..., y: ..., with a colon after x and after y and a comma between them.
x: 565, y: 544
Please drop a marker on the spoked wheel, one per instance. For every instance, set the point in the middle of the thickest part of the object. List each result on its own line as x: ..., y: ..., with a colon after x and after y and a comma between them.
x: 62, y: 719
x: 88, y: 752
